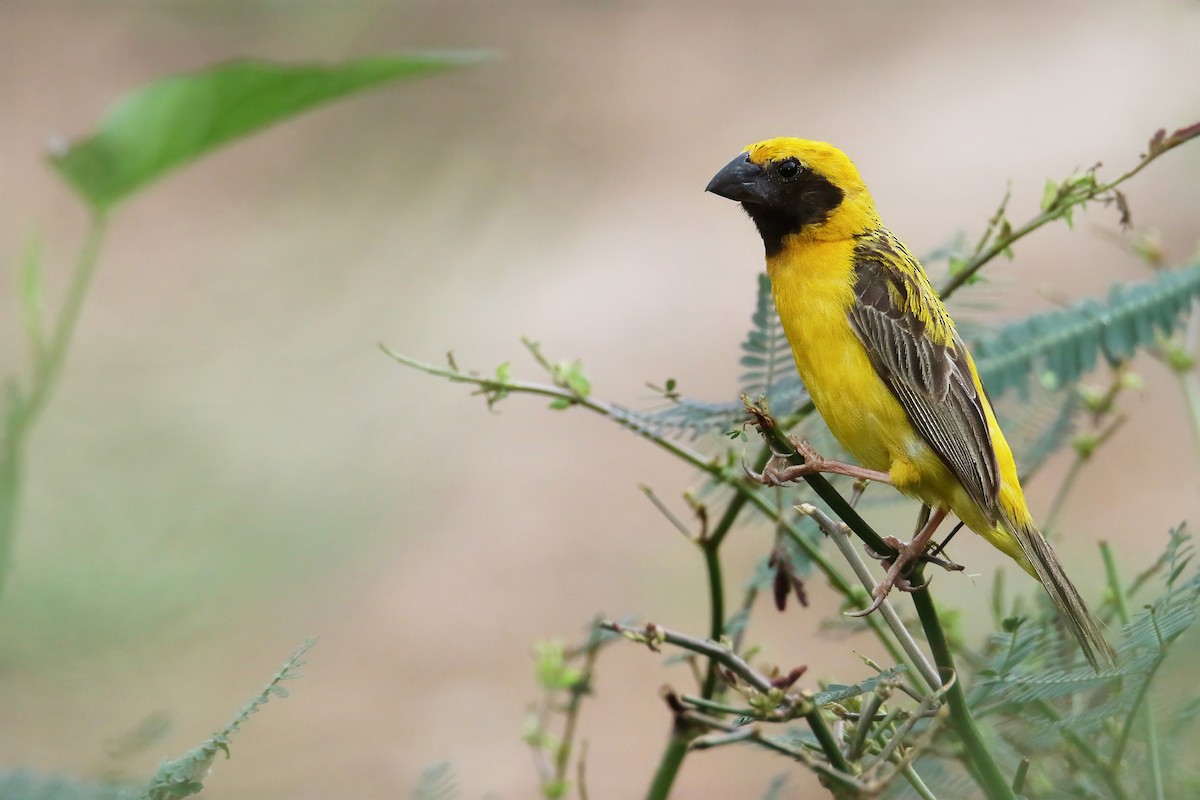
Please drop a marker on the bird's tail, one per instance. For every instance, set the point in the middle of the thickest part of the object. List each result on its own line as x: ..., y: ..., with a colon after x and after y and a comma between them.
x: 1083, y: 624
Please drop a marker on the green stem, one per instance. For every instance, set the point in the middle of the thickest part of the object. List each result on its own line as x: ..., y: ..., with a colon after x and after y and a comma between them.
x: 669, y: 764
x: 1120, y: 599
x: 1003, y: 243
x: 979, y: 758
x: 1084, y: 749
x: 918, y: 785
x: 1155, y: 758
x: 1153, y: 753
x: 23, y: 409
x: 829, y: 745
x: 47, y: 371
x: 716, y: 599
x: 711, y: 545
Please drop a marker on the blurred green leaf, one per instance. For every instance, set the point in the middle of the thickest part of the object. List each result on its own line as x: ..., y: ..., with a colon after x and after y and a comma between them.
x: 553, y: 673
x: 1049, y: 195
x: 180, y: 118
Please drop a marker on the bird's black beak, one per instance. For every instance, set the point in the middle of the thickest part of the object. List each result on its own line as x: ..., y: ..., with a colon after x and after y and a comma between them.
x: 740, y: 180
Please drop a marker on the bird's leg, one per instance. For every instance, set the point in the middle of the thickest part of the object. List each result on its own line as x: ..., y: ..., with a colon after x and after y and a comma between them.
x: 779, y: 471
x: 906, y: 554
x: 937, y: 550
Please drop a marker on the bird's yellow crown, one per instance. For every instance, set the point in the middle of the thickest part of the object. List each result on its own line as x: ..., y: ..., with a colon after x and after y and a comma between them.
x: 821, y: 157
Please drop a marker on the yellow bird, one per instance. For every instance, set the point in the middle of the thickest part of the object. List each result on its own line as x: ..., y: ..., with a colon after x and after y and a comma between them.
x: 879, y: 355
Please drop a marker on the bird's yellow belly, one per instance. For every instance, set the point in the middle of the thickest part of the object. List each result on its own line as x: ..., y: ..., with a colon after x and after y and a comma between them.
x: 859, y: 408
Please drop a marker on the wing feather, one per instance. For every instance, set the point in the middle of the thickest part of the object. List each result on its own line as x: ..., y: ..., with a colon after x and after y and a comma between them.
x: 914, y: 348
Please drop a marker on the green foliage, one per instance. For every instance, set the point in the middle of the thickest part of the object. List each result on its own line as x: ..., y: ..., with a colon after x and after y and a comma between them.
x: 1082, y: 731
x: 184, y: 776
x: 1039, y: 426
x: 553, y: 672
x: 838, y: 693
x: 765, y: 350
x: 437, y: 783
x: 1061, y: 346
x: 25, y: 785
x: 178, y: 119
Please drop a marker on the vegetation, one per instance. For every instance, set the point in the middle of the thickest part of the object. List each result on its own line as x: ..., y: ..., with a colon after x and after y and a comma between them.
x: 1023, y: 715
x: 1018, y: 715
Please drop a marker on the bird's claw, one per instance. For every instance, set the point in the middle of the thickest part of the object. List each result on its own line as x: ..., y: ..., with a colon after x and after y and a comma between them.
x: 895, y: 578
x: 779, y: 470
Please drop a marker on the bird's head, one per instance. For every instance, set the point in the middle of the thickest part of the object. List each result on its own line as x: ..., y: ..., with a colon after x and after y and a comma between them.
x: 796, y: 187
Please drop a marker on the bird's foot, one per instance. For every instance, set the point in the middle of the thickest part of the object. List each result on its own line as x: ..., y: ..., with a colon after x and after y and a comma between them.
x: 907, y: 553
x: 779, y: 470
x: 930, y: 556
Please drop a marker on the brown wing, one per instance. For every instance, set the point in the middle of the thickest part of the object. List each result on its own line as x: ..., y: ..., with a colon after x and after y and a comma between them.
x: 912, y: 344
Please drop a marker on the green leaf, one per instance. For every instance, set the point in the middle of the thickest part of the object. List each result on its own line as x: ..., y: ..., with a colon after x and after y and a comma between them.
x: 570, y: 375
x: 437, y: 782
x: 552, y: 670
x: 1049, y: 194
x: 178, y: 119
x: 1060, y: 346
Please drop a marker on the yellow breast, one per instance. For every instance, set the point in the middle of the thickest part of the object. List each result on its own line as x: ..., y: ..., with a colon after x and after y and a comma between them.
x: 813, y: 287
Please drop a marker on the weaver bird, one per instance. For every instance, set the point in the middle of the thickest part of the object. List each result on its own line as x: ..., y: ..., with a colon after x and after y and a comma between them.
x: 880, y: 358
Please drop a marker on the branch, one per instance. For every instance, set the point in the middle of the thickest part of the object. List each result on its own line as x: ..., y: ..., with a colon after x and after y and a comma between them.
x: 1067, y: 196
x: 839, y: 535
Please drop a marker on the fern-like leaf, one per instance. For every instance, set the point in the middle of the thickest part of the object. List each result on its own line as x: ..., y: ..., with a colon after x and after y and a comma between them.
x: 181, y: 777
x: 22, y: 784
x: 765, y: 351
x: 437, y: 783
x: 1067, y: 343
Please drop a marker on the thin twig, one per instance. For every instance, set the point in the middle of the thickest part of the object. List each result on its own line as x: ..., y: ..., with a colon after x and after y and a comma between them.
x: 753, y: 733
x: 838, y: 534
x: 675, y: 521
x: 1160, y: 144
x: 653, y: 635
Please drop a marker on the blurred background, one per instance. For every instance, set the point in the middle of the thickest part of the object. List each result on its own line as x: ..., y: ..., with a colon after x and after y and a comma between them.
x: 231, y: 465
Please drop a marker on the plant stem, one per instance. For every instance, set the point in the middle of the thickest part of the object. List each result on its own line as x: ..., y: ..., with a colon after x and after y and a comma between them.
x: 669, y: 764
x: 1120, y: 599
x: 23, y: 409
x: 918, y: 785
x: 738, y: 483
x: 1003, y: 243
x: 716, y: 599
x: 979, y: 758
x: 916, y: 658
x: 1154, y: 756
x: 47, y: 370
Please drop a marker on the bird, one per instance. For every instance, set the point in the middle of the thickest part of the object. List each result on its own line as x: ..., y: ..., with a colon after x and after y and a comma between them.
x: 884, y: 366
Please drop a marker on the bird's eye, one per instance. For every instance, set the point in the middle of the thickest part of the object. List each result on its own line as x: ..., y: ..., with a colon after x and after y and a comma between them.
x: 789, y: 169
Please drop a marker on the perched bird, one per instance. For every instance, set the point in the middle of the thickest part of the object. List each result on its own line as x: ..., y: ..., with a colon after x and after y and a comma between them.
x: 880, y: 358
